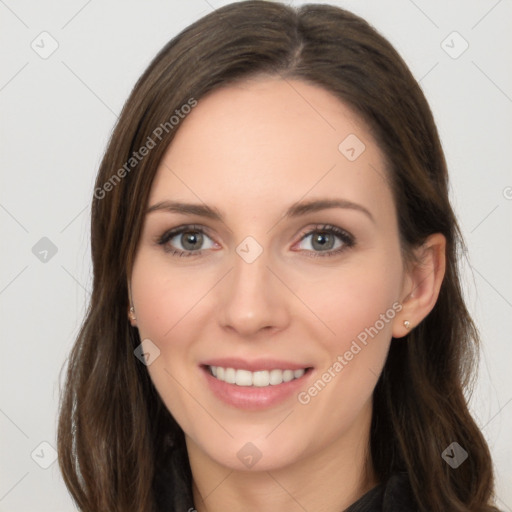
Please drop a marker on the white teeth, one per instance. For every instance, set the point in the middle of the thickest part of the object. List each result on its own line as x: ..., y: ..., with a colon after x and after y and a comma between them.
x: 230, y: 376
x: 243, y: 377
x: 276, y: 377
x: 260, y: 378
x: 288, y: 375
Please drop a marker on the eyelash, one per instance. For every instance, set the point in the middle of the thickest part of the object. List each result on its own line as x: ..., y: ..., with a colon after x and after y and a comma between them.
x: 347, y: 239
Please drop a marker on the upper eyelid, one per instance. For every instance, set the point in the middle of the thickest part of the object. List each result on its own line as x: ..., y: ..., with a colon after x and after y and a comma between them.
x: 183, y: 228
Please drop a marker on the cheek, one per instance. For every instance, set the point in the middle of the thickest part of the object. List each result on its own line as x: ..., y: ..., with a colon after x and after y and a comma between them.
x: 163, y: 295
x: 165, y: 300
x: 359, y: 307
x: 350, y: 300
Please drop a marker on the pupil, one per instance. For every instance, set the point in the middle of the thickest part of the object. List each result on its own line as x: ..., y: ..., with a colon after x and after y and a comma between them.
x: 324, y: 239
x: 191, y: 239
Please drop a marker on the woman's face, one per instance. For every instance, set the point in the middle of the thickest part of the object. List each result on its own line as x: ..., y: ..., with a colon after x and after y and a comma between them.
x: 288, y: 267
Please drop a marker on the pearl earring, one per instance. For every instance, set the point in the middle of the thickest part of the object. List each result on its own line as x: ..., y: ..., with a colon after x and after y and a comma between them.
x: 132, y: 313
x: 407, y: 324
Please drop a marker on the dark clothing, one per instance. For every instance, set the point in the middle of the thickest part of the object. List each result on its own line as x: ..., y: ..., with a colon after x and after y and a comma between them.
x: 395, y: 495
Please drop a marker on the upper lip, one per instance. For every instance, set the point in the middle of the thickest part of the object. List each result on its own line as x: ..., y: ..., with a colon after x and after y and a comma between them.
x: 254, y: 365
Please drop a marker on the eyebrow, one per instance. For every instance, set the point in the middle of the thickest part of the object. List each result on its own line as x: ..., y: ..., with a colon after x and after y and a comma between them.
x: 295, y: 210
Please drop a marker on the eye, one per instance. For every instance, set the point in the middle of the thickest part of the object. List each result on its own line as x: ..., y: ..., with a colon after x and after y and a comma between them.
x: 186, y: 241
x: 326, y: 240
x: 190, y: 240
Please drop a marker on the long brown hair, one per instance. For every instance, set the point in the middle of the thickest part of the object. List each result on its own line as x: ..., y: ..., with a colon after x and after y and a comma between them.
x: 115, y: 436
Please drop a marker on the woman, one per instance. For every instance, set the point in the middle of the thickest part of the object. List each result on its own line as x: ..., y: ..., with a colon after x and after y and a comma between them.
x: 276, y: 320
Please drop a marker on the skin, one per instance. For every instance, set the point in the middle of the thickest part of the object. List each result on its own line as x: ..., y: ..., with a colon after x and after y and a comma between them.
x: 250, y: 150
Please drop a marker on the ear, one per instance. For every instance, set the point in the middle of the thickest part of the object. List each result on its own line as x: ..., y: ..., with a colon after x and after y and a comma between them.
x: 422, y: 283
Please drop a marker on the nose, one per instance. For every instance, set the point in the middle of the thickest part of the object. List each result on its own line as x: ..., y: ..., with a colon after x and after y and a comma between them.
x: 252, y: 299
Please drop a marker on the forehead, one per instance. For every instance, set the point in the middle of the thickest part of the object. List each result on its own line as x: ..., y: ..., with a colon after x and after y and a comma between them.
x: 269, y: 140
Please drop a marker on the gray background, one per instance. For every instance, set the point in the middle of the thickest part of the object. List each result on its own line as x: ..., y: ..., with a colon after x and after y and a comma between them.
x: 57, y: 114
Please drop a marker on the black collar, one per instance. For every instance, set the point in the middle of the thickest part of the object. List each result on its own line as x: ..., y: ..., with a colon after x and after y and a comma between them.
x: 395, y: 495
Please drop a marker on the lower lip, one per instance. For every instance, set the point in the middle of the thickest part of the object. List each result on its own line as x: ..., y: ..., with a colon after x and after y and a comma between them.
x: 252, y: 397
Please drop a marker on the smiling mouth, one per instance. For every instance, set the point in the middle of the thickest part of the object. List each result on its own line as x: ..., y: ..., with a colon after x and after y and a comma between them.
x: 261, y: 378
